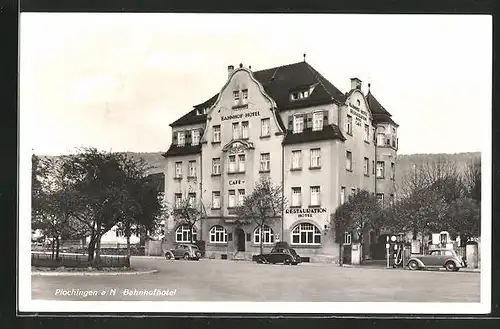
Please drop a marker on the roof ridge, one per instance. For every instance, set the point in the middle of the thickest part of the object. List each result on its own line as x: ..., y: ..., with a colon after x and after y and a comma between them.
x: 279, y: 67
x: 315, y: 74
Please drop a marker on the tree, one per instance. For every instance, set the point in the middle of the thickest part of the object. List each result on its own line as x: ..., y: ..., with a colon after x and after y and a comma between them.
x: 187, y: 212
x: 53, y: 204
x: 100, y: 199
x: 143, y: 206
x: 362, y: 211
x: 465, y: 219
x: 472, y: 178
x: 262, y: 207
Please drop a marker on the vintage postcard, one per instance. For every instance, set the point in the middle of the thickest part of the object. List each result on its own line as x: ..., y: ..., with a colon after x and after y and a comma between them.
x: 255, y: 163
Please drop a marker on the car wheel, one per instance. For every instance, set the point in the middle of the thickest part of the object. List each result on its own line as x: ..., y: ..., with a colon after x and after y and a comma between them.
x: 450, y: 266
x: 186, y: 256
x: 295, y: 263
x: 413, y: 265
x: 287, y: 262
x: 457, y: 269
x: 168, y: 255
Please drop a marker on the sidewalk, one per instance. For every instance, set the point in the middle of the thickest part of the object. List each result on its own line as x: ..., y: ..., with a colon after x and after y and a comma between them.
x: 383, y: 264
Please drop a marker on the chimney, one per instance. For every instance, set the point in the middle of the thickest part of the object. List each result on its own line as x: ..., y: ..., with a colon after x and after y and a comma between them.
x: 355, y: 83
x: 230, y: 70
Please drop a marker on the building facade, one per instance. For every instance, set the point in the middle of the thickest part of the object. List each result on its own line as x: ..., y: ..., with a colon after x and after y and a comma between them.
x: 292, y: 125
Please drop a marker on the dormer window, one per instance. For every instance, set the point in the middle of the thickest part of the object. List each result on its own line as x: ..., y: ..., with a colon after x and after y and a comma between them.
x: 298, y: 123
x: 205, y: 110
x: 317, y: 121
x: 195, y: 135
x: 181, y: 138
x: 296, y: 95
x: 236, y: 96
x: 198, y: 112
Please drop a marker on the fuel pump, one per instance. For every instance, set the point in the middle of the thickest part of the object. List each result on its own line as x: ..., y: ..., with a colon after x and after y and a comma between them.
x: 395, y: 246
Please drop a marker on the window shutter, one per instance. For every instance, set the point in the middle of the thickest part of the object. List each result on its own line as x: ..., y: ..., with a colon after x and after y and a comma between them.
x: 325, y: 118
x: 290, y: 122
x: 230, y: 237
x: 308, y: 120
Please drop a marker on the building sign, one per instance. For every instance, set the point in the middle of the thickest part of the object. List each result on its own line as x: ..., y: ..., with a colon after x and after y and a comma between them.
x: 305, y: 212
x: 240, y: 115
x: 236, y: 182
x: 359, y: 114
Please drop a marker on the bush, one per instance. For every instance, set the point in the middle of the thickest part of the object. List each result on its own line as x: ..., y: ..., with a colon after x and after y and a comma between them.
x: 76, y: 261
x: 201, y: 246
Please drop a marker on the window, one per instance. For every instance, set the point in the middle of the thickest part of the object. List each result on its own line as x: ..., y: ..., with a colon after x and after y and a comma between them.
x: 296, y: 197
x: 192, y: 168
x: 353, y: 191
x: 178, y: 200
x: 178, y: 169
x: 241, y: 196
x: 393, y: 171
x: 298, y: 123
x: 198, y: 112
x: 192, y: 199
x: 264, y: 127
x: 232, y: 199
x: 244, y: 130
x: 216, y: 136
x: 393, y: 141
x: 348, y: 165
x: 265, y: 159
x: 358, y: 102
x: 315, y: 158
x: 244, y: 94
x: 218, y: 234
x: 195, y: 135
x: 232, y: 163
x: 380, y: 169
x: 236, y: 96
x: 306, y: 233
x: 299, y: 95
x: 342, y: 195
x: 241, y: 163
x: 205, y: 110
x: 380, y: 199
x: 391, y: 199
x: 315, y: 196
x: 216, y: 166
x: 267, y: 235
x: 317, y: 121
x: 297, y: 159
x: 388, y: 140
x: 348, y: 127
x: 181, y: 138
x: 216, y: 200
x: 236, y: 130
x: 380, y: 139
x: 183, y: 234
x: 347, y: 238
x: 366, y: 168
x: 367, y: 134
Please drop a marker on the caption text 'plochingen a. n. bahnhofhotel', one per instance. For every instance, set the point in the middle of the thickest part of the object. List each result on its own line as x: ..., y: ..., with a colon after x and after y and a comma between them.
x: 291, y: 124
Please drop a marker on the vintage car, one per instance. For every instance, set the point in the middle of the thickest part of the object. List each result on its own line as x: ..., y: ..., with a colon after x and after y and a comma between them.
x: 187, y: 251
x: 437, y: 258
x: 281, y: 253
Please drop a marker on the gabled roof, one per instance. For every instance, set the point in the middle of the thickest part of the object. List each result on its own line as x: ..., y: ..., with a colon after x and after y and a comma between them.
x: 279, y: 82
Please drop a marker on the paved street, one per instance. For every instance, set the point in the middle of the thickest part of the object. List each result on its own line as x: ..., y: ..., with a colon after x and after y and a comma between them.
x: 222, y: 280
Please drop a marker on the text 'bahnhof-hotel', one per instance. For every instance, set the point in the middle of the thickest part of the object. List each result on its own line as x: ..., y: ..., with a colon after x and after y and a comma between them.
x: 291, y: 124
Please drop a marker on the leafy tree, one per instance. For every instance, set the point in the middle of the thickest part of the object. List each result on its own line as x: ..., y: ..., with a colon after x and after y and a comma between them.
x: 473, y: 180
x: 100, y: 199
x: 465, y: 219
x: 262, y: 207
x: 188, y: 212
x: 362, y: 211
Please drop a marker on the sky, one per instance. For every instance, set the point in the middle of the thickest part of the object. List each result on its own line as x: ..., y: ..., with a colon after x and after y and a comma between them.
x: 115, y: 81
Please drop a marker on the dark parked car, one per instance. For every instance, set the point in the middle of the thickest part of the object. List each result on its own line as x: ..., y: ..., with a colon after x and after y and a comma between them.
x: 437, y: 258
x: 281, y: 253
x: 186, y: 251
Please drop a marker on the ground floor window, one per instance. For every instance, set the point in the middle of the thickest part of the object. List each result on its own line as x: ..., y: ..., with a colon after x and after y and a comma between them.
x: 218, y: 234
x: 306, y: 233
x: 267, y: 235
x: 183, y: 234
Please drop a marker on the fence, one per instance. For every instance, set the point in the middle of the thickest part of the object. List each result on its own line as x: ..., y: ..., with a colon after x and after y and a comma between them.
x: 77, y: 261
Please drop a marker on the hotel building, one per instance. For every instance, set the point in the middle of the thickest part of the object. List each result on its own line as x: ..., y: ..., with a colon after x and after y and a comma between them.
x: 290, y: 124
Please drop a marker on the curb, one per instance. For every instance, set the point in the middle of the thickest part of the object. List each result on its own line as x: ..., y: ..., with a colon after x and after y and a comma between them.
x: 43, y: 273
x: 462, y: 270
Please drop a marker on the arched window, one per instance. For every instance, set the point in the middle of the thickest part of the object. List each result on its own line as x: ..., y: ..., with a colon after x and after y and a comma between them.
x: 183, y: 234
x: 305, y: 233
x: 218, y: 234
x: 267, y: 235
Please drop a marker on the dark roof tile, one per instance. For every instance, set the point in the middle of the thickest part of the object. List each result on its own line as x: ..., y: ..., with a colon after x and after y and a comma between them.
x: 329, y: 132
x: 175, y: 150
